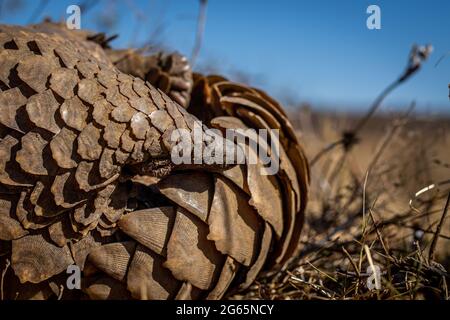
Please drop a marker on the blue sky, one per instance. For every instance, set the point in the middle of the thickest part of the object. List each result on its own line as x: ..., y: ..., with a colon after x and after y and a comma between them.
x: 316, y: 51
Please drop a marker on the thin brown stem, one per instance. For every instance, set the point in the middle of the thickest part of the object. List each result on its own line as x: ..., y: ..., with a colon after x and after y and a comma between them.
x: 201, y: 22
x: 438, y: 229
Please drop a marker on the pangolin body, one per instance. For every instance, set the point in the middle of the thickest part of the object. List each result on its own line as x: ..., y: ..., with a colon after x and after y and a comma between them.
x: 86, y: 177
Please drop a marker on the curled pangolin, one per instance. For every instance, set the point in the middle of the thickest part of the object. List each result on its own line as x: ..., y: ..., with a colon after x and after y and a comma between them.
x: 86, y: 176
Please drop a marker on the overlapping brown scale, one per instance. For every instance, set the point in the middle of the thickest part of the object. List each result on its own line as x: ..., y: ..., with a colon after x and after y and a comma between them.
x: 140, y: 88
x: 143, y: 104
x: 285, y: 162
x: 31, y: 157
x: 161, y: 120
x: 41, y: 109
x: 88, y: 91
x: 263, y: 255
x: 15, y: 49
x: 157, y: 96
x: 123, y: 113
x: 113, y: 258
x: 287, y: 171
x: 8, y: 63
x: 294, y: 174
x: 105, y: 231
x: 78, y: 39
x: 106, y: 288
x: 115, y: 97
x: 86, y: 214
x: 121, y: 156
x: 138, y: 154
x: 107, y: 78
x: 87, y: 69
x: 229, y: 270
x: 294, y: 182
x: 68, y: 58
x: 190, y: 256
x: 150, y: 227
x: 231, y: 103
x: 5, y: 38
x: 266, y: 114
x: 292, y: 221
x: 260, y: 105
x: 189, y: 292
x: 111, y: 201
x: 63, y: 82
x: 113, y: 214
x: 201, y: 104
x: 153, y: 142
x: 220, y: 87
x: 45, y: 205
x: 11, y: 100
x: 26, y: 215
x: 179, y: 79
x: 10, y: 228
x: 61, y: 232
x: 45, y: 45
x: 35, y: 259
x: 62, y: 148
x: 10, y: 173
x: 233, y: 223
x: 112, y: 133
x: 128, y: 61
x: 28, y: 291
x: 139, y: 125
x: 265, y: 196
x: 102, y: 109
x: 19, y: 41
x: 107, y: 165
x: 74, y: 113
x: 65, y: 190
x: 147, y: 278
x: 127, y: 141
x: 84, y: 230
x: 236, y: 174
x: 36, y: 192
x: 35, y: 71
x: 271, y: 113
x: 89, y: 147
x: 126, y: 87
x: 171, y: 73
x: 191, y: 190
x: 80, y: 249
x: 105, y: 224
x: 123, y: 77
x: 88, y: 177
x: 269, y: 104
x: 105, y: 227
x: 176, y: 115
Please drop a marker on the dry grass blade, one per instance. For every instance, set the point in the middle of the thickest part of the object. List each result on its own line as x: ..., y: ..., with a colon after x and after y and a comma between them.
x: 438, y: 229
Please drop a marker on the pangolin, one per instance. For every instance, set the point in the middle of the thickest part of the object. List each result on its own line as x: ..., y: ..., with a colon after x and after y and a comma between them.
x: 87, y: 179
